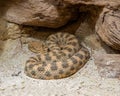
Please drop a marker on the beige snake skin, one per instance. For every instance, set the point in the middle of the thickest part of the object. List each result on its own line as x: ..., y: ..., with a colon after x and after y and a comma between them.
x: 58, y: 57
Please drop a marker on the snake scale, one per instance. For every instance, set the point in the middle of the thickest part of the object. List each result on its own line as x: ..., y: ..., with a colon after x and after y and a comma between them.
x: 58, y: 57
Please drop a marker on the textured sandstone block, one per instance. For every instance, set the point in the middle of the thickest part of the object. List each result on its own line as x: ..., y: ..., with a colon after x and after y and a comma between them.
x: 93, y: 2
x: 108, y: 65
x: 46, y: 13
x: 108, y: 26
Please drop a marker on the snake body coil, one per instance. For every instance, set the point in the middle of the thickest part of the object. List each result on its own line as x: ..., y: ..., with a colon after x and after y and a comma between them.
x: 61, y: 56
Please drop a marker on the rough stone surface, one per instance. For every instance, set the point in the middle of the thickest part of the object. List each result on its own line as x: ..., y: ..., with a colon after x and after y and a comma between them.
x: 108, y: 65
x: 46, y: 13
x: 93, y: 2
x: 108, y: 26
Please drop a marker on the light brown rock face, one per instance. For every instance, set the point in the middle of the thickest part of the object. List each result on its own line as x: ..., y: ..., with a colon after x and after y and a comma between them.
x: 46, y: 13
x: 108, y: 65
x: 94, y: 2
x: 108, y: 26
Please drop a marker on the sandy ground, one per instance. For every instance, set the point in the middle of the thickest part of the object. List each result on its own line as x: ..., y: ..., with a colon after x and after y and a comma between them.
x: 13, y: 81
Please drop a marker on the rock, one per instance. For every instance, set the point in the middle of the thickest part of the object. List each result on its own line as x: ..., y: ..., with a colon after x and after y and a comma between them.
x: 45, y: 13
x: 92, y: 2
x: 108, y: 26
x: 108, y: 65
x: 2, y: 28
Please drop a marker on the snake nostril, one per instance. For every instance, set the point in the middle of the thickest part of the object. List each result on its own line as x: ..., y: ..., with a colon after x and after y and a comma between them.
x: 48, y: 50
x: 61, y: 48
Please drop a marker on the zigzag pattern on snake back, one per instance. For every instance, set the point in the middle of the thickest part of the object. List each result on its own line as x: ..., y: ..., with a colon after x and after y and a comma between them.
x: 59, y: 57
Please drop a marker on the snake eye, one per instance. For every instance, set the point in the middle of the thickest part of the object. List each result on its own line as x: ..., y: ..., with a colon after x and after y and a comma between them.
x: 61, y: 48
x: 48, y: 50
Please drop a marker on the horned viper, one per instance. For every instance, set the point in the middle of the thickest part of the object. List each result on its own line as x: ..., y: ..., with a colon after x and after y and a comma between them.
x: 58, y: 57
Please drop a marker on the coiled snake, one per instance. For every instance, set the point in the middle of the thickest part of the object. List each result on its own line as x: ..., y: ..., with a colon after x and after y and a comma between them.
x: 58, y: 57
